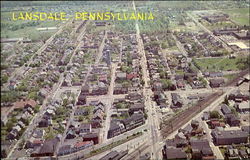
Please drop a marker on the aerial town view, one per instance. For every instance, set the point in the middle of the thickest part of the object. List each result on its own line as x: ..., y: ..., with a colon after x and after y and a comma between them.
x: 125, y: 80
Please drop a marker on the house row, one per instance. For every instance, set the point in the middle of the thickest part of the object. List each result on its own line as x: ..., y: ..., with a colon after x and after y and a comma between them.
x: 118, y: 127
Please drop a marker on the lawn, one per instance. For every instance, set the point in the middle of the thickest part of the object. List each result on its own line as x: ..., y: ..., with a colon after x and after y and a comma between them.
x: 217, y: 64
x: 239, y: 15
x: 22, y: 28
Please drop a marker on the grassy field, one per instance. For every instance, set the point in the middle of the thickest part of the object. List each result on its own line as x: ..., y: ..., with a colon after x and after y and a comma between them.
x: 239, y: 15
x: 217, y: 64
x: 22, y: 28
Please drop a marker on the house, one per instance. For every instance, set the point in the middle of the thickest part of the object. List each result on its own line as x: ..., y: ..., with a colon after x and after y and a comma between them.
x: 82, y: 145
x: 38, y: 133
x: 206, y: 116
x: 176, y: 101
x: 21, y: 124
x: 232, y: 120
x: 136, y: 107
x: 160, y: 98
x: 225, y: 109
x: 216, y: 82
x: 65, y: 149
x: 238, y: 96
x: 44, y: 123
x: 85, y: 90
x: 157, y: 86
x: 216, y: 123
x: 13, y: 134
x: 81, y: 112
x: 177, y: 142
x: 121, y: 76
x: 173, y: 153
x: 130, y: 76
x: 116, y: 128
x: 98, y: 116
x: 33, y: 143
x: 81, y: 100
x: 47, y: 149
x: 201, y: 149
x: 134, y: 96
x: 135, y: 120
x: 119, y: 89
x: 85, y: 128
x: 180, y: 84
x: 242, y: 107
x: 71, y: 134
x: 95, y: 124
x: 91, y: 137
x: 229, y: 137
x: 103, y: 78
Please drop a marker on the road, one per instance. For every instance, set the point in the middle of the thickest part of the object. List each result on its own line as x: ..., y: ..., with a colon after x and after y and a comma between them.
x: 98, y: 58
x: 208, y: 31
x: 36, y: 117
x: 19, y: 70
x: 147, y: 94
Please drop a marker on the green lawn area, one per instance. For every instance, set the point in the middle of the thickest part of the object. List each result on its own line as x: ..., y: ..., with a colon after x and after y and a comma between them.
x: 22, y: 28
x: 217, y: 64
x: 239, y: 15
x: 230, y: 76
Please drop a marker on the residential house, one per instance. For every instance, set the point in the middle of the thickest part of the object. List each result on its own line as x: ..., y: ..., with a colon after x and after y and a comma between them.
x: 116, y: 128
x: 136, y: 107
x: 201, y: 149
x: 81, y: 100
x: 82, y: 145
x: 121, y: 76
x: 173, y: 153
x: 134, y: 96
x: 232, y: 120
x: 47, y: 149
x: 176, y: 101
x: 91, y: 137
x: 81, y: 112
x: 242, y: 107
x: 85, y: 128
x: 216, y: 82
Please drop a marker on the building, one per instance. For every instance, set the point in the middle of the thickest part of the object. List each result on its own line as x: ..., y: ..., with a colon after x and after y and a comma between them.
x: 91, y: 137
x: 173, y: 153
x: 216, y: 82
x: 229, y: 137
x: 201, y: 149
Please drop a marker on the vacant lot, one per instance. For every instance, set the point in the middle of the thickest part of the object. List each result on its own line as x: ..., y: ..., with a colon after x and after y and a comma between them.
x: 217, y: 64
x: 23, y: 28
x: 239, y: 15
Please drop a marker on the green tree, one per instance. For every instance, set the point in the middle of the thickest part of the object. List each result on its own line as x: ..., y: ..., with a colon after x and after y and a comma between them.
x: 214, y: 114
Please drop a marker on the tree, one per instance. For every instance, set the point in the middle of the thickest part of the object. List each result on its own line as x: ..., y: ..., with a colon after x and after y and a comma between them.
x: 214, y: 114
x: 80, y: 118
x: 3, y: 153
x: 226, y: 100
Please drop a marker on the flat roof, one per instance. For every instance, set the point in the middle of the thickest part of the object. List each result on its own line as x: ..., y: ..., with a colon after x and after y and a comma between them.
x: 241, y: 45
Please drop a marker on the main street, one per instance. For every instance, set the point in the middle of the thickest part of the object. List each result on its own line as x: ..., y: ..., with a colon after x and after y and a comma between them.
x: 147, y: 94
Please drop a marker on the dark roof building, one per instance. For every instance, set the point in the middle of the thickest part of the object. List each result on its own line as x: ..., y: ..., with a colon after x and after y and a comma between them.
x: 229, y: 137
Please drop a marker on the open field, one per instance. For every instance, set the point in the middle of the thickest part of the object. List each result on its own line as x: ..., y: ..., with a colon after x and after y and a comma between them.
x: 239, y: 15
x: 216, y: 64
x: 21, y: 28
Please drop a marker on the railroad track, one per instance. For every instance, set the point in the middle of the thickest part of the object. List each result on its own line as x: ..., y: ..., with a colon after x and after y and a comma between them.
x: 133, y: 155
x: 179, y: 120
x: 234, y: 81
